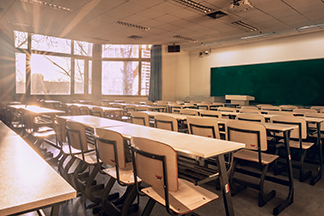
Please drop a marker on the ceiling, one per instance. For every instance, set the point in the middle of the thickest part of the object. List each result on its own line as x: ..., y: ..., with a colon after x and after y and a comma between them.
x: 96, y: 20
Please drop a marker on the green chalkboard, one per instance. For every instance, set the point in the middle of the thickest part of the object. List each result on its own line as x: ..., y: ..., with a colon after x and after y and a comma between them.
x: 293, y: 82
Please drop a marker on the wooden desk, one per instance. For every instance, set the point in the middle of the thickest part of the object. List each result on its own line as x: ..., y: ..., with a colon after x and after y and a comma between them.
x: 105, y: 109
x: 187, y: 144
x: 179, y: 117
x: 94, y: 121
x: 27, y: 183
x: 36, y: 110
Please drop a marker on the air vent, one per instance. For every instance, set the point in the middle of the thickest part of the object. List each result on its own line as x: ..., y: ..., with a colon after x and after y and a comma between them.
x: 134, y: 37
x: 216, y: 14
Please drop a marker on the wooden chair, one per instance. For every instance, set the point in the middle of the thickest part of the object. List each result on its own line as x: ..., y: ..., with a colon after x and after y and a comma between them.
x: 318, y: 108
x: 207, y: 126
x: 226, y: 109
x: 166, y: 122
x: 203, y: 106
x: 313, y: 126
x: 83, y: 176
x: 254, y: 135
x: 189, y: 112
x: 261, y: 105
x: 74, y: 110
x: 98, y: 111
x: 280, y: 113
x: 302, y: 112
x: 216, y: 105
x: 288, y: 107
x: 140, y: 118
x: 174, y: 107
x: 84, y: 110
x: 250, y: 117
x: 142, y: 108
x: 180, y: 102
x: 112, y: 152
x: 249, y: 110
x: 270, y: 108
x: 156, y: 164
x: 297, y: 140
x: 211, y: 113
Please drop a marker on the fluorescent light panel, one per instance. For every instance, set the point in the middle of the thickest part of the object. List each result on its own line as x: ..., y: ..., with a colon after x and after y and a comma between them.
x: 310, y: 26
x: 46, y: 4
x: 132, y: 25
x: 245, y: 25
x: 256, y: 36
x: 185, y: 38
x: 195, y: 5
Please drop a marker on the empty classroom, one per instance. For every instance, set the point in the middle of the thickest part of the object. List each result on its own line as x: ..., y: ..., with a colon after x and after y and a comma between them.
x: 159, y: 107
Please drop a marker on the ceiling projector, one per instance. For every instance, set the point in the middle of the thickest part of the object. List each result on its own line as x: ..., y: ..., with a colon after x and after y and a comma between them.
x: 240, y: 5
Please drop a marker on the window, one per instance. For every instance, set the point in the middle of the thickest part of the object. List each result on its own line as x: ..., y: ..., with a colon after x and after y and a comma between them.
x: 50, y: 74
x: 119, y: 78
x: 79, y: 76
x: 82, y: 48
x: 90, y: 78
x: 125, y: 69
x: 120, y: 51
x: 20, y: 73
x: 21, y: 39
x: 50, y: 44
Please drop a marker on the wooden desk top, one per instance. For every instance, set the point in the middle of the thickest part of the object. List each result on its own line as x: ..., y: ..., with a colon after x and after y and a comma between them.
x: 179, y: 117
x: 191, y: 145
x: 41, y: 110
x: 52, y: 101
x: 27, y: 181
x: 94, y: 121
x: 105, y: 109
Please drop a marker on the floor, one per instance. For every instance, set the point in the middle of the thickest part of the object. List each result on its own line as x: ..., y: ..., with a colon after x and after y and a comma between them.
x: 308, y: 200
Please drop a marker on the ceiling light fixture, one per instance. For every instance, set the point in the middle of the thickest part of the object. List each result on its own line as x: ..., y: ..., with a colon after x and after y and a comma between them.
x: 133, y: 25
x: 195, y: 5
x: 185, y: 38
x: 310, y: 26
x: 245, y: 25
x: 24, y: 25
x: 46, y: 4
x: 256, y: 36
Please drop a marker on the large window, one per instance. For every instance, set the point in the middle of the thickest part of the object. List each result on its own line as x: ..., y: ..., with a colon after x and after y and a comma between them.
x: 20, y: 73
x: 125, y: 69
x: 50, y: 74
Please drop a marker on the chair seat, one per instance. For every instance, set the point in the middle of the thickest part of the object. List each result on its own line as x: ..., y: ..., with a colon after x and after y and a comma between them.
x: 187, y: 199
x: 252, y: 156
x: 89, y: 157
x: 296, y: 144
x: 126, y: 175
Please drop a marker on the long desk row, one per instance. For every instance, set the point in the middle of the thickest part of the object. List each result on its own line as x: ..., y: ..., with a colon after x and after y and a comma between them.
x: 28, y: 183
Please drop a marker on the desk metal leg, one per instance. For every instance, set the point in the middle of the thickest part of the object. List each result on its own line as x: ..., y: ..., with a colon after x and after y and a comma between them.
x: 55, y: 209
x: 290, y: 198
x: 225, y: 186
x: 319, y: 145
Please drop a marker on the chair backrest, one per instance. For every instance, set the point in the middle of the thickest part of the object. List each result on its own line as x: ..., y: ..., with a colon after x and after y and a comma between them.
x: 75, y: 110
x: 174, y: 107
x: 316, y: 107
x: 211, y: 113
x: 110, y: 148
x: 152, y: 160
x: 316, y: 115
x: 142, y: 108
x: 166, y: 122
x: 84, y: 110
x: 98, y: 111
x: 261, y: 105
x: 60, y: 130
x: 250, y: 117
x: 206, y: 126
x: 252, y: 134
x: 203, y: 106
x: 293, y: 120
x: 249, y: 110
x: 130, y: 108
x: 280, y: 113
x: 249, y: 107
x: 140, y: 118
x: 302, y: 112
x: 76, y: 135
x: 190, y: 112
x: 226, y: 109
x: 271, y: 108
x: 180, y: 102
x: 288, y: 107
x: 218, y: 104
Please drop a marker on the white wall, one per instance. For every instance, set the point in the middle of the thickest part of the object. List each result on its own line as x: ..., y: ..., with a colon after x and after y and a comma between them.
x: 175, y: 75
x: 298, y: 47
